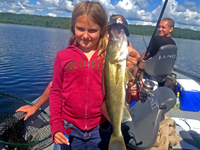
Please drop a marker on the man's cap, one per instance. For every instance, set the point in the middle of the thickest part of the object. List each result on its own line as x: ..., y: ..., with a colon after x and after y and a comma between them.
x: 119, y: 19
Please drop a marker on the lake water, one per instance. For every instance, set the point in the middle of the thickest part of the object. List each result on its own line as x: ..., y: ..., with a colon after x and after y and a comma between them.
x: 27, y: 56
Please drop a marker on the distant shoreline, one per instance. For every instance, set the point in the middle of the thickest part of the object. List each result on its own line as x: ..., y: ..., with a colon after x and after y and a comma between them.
x: 64, y: 23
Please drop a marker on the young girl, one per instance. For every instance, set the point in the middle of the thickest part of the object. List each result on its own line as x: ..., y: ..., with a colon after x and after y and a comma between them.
x: 76, y: 96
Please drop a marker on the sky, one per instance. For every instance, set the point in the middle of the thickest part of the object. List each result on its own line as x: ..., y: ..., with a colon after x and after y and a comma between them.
x: 185, y: 13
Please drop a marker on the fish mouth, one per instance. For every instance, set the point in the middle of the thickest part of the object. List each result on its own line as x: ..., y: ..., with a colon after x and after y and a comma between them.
x: 120, y: 39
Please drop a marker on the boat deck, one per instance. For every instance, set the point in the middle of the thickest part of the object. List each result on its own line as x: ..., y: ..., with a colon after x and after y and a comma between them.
x: 183, y: 114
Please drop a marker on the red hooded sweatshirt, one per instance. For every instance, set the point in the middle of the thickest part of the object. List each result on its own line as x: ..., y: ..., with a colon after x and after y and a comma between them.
x: 76, y: 93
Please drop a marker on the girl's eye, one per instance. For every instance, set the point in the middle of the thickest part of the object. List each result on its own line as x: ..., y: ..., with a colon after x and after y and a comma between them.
x: 92, y: 31
x: 80, y: 29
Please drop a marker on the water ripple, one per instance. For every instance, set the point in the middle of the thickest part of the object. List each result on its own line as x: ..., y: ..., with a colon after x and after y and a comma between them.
x: 26, y: 58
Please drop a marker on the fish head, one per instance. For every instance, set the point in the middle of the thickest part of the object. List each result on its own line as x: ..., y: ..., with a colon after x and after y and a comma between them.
x: 117, y: 46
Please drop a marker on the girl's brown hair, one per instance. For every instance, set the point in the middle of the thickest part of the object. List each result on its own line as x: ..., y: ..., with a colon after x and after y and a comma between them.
x: 96, y: 13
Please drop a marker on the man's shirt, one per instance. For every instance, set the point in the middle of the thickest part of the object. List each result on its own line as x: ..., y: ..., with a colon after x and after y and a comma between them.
x: 157, y: 42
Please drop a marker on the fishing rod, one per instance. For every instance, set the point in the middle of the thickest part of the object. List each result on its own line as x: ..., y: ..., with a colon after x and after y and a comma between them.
x: 142, y: 61
x: 158, y: 22
x: 144, y: 41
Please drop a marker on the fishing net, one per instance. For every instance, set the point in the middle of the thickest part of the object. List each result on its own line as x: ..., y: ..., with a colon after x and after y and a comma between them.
x: 15, y: 133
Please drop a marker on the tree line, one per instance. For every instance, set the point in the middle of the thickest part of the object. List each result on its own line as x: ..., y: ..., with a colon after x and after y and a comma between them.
x: 63, y: 22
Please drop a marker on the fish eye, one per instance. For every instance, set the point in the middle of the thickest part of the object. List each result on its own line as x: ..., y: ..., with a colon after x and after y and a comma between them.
x: 111, y: 40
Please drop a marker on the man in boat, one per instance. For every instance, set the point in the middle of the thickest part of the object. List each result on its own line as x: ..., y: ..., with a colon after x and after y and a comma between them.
x: 165, y: 29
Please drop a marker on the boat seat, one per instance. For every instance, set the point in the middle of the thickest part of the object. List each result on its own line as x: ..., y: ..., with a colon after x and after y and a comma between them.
x: 142, y: 131
x: 187, y: 142
x: 161, y: 64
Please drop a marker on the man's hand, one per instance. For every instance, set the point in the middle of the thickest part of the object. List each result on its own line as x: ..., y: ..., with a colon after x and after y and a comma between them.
x: 30, y: 110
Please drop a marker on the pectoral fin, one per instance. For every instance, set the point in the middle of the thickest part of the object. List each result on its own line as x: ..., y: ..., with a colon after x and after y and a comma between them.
x: 126, y: 116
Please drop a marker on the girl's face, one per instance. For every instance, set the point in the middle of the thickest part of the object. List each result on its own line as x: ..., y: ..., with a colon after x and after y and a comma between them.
x: 87, y: 34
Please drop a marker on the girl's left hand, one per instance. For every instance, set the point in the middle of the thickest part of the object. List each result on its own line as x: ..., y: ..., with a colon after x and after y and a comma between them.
x: 60, y: 138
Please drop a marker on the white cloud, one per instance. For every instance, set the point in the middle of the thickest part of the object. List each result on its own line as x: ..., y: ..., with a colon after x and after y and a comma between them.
x: 181, y: 8
x: 131, y: 10
x: 61, y: 5
x: 52, y: 14
x: 189, y: 4
x: 179, y: 13
x: 39, y: 9
x: 106, y: 4
x: 145, y: 23
x: 143, y: 4
x: 18, y: 7
x: 28, y: 4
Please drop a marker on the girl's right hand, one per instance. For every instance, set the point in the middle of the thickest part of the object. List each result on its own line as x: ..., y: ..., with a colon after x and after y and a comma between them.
x: 60, y: 138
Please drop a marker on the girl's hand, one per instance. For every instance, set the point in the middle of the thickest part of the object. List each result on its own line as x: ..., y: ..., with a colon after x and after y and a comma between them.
x: 30, y: 110
x: 60, y: 138
x: 132, y: 92
x: 133, y: 89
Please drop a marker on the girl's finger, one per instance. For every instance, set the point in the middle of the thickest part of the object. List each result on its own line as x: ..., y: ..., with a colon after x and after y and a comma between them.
x: 60, y: 138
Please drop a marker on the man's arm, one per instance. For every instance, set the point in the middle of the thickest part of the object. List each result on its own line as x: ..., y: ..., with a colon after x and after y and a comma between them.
x: 132, y: 90
x: 30, y: 110
x: 132, y: 58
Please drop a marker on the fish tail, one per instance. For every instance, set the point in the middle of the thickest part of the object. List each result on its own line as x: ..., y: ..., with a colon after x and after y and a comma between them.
x: 117, y: 143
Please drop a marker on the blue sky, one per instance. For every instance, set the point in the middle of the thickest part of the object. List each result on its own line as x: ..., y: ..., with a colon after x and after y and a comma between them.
x: 185, y: 13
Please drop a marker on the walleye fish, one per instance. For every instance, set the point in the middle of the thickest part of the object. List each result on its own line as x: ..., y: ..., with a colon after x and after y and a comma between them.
x: 115, y: 78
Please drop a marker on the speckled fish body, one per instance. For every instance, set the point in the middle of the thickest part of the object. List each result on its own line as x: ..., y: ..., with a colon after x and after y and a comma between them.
x: 115, y: 75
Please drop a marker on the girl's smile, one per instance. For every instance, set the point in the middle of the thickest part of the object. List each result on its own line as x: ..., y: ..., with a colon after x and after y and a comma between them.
x: 87, y: 34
